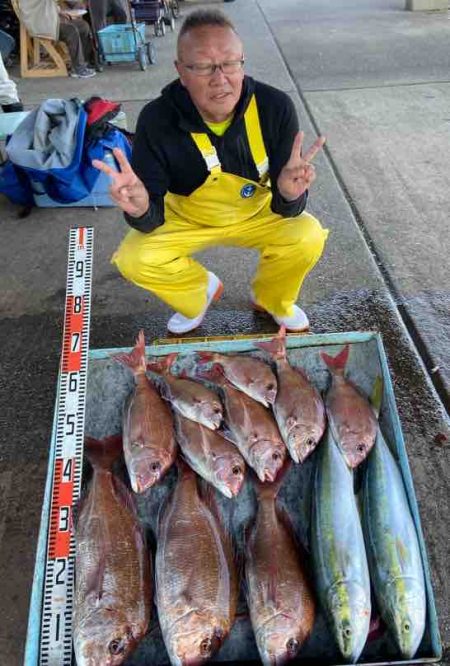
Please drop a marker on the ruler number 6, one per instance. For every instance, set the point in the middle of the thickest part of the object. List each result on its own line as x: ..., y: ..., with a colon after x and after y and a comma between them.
x: 73, y: 382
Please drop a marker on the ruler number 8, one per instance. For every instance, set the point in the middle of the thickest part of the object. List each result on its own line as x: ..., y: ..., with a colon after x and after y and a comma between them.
x: 77, y: 302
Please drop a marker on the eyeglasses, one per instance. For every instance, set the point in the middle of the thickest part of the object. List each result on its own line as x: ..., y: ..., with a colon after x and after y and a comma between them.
x: 227, y: 67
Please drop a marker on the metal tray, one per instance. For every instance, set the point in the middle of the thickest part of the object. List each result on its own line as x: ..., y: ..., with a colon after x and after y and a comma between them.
x: 108, y: 385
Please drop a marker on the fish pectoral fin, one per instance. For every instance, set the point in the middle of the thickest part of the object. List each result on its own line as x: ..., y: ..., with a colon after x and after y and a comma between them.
x: 185, y: 598
x: 124, y: 495
x: 95, y: 581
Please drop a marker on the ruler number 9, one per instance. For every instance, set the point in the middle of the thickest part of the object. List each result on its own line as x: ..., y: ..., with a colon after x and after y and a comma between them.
x: 79, y: 269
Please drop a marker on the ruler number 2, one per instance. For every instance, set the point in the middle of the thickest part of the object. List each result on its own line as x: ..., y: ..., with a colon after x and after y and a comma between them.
x: 62, y: 564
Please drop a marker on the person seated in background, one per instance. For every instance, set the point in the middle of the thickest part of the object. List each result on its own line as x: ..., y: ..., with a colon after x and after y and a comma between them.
x: 9, y: 98
x: 75, y: 32
x: 101, y: 10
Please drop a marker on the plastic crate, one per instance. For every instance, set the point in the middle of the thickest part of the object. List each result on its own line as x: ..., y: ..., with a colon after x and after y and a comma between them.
x: 103, y: 416
x: 119, y: 42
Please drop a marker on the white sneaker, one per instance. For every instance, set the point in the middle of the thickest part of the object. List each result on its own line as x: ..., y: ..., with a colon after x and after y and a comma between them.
x: 298, y: 321
x: 178, y: 323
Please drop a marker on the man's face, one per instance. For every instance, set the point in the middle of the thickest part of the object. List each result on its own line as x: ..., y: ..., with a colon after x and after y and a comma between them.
x: 215, y: 95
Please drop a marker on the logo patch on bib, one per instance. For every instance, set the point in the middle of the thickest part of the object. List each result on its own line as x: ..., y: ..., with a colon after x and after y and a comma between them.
x: 248, y: 191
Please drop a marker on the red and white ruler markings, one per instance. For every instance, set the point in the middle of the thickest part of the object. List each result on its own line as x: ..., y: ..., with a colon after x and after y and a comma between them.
x: 56, y: 629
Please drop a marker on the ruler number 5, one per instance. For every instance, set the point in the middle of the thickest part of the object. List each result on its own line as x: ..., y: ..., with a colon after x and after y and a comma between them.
x: 70, y: 424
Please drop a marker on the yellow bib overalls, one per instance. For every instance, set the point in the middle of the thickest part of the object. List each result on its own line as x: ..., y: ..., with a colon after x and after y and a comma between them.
x: 225, y: 210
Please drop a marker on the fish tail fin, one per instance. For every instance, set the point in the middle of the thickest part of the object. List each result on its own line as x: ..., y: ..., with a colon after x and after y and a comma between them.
x: 162, y: 365
x: 277, y: 346
x: 102, y: 453
x: 337, y: 363
x: 206, y: 356
x: 184, y: 470
x: 269, y: 491
x: 135, y: 360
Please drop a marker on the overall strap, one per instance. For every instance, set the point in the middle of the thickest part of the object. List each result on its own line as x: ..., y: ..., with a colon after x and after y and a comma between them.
x: 209, y: 154
x: 256, y: 142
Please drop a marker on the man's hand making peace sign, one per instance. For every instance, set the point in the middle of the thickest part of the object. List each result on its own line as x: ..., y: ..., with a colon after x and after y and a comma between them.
x: 298, y: 174
x: 127, y: 190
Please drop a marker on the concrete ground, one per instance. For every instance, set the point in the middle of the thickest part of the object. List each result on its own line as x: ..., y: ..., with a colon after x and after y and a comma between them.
x: 375, y: 80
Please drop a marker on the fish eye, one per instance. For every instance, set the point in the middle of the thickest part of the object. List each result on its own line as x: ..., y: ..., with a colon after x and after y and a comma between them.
x: 292, y: 645
x: 155, y: 466
x: 310, y: 441
x: 270, y: 387
x: 347, y: 632
x: 205, y: 647
x: 276, y: 455
x: 406, y: 626
x: 236, y: 470
x: 116, y: 646
x: 360, y: 448
x: 217, y: 410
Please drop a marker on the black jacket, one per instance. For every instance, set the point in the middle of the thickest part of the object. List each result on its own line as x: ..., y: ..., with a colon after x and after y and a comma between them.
x: 166, y: 158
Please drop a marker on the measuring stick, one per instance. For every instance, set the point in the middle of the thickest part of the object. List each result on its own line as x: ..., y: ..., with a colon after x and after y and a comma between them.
x: 56, y: 628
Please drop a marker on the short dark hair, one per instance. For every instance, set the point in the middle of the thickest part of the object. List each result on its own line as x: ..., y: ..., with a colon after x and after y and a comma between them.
x: 205, y: 17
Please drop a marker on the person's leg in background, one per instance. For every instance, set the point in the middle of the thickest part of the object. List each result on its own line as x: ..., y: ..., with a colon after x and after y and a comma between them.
x: 74, y: 36
x: 118, y: 10
x: 9, y: 98
x: 98, y: 10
